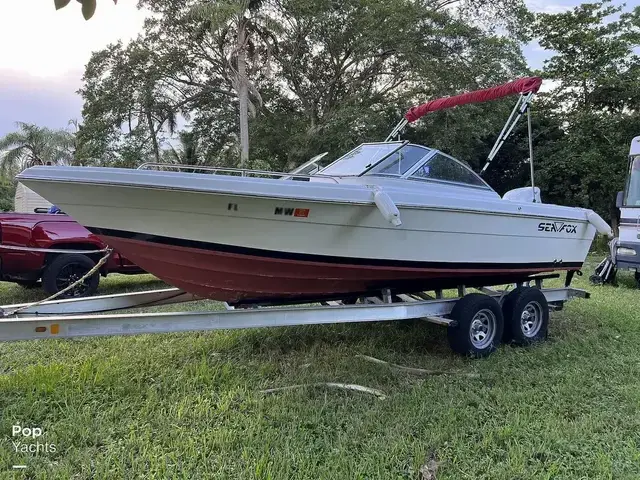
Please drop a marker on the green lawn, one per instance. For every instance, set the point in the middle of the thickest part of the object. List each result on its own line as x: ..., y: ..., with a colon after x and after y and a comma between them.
x: 189, y: 406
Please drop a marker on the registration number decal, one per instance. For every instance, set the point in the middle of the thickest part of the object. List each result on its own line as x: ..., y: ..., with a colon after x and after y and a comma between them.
x: 292, y: 212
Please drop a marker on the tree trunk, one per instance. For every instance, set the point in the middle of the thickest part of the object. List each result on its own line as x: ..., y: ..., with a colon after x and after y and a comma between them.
x: 154, y: 139
x: 243, y: 93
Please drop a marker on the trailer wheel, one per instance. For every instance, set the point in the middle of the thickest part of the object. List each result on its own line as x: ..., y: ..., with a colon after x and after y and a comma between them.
x: 478, y: 326
x: 526, y: 316
x: 66, y: 269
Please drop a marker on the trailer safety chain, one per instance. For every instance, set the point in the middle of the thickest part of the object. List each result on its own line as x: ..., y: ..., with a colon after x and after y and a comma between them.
x: 95, y: 268
x: 50, y: 250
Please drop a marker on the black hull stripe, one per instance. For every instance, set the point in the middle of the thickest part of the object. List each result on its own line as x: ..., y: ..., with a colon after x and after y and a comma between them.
x: 305, y: 257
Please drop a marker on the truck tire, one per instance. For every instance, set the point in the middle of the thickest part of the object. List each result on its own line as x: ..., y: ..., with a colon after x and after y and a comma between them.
x: 66, y: 269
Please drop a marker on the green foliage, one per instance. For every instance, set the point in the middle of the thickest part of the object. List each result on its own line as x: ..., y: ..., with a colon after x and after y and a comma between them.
x: 88, y: 6
x: 595, y: 98
x: 33, y: 145
x: 7, y: 194
x: 189, y: 405
x: 126, y: 111
x: 595, y: 63
x: 188, y: 152
x: 326, y: 74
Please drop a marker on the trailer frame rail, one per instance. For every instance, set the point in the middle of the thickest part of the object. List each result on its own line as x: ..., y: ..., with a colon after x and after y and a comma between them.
x: 85, y: 316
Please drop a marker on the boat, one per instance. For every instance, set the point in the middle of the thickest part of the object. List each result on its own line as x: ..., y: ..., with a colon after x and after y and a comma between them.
x: 387, y: 216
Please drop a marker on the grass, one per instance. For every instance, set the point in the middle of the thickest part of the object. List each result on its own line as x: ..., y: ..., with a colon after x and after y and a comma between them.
x: 188, y: 406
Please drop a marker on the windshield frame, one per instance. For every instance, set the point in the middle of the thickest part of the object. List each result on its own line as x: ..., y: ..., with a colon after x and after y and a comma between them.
x: 627, y: 183
x: 300, y: 168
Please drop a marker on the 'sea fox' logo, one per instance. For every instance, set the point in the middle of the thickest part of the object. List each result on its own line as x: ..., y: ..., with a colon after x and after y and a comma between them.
x: 557, y: 227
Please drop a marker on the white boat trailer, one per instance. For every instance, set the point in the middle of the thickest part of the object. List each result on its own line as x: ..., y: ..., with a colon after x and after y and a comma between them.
x: 91, y: 316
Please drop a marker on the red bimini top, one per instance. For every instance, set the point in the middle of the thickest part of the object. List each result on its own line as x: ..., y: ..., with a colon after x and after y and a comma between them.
x: 523, y: 85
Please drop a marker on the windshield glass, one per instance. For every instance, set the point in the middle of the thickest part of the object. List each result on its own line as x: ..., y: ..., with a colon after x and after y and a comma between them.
x: 632, y: 192
x: 444, y: 168
x: 400, y: 162
x: 361, y: 158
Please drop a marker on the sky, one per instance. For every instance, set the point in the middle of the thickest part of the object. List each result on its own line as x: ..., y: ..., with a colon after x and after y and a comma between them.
x: 44, y: 52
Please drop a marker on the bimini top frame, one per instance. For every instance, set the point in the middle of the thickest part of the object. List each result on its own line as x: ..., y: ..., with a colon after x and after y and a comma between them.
x: 525, y: 87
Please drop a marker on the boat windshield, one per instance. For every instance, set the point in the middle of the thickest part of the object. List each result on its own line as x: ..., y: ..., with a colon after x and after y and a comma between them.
x: 632, y: 190
x: 312, y: 166
x: 361, y: 158
x: 400, y: 161
x: 443, y: 168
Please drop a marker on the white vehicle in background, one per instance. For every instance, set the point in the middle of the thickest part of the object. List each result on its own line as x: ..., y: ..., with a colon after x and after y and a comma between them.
x: 625, y: 249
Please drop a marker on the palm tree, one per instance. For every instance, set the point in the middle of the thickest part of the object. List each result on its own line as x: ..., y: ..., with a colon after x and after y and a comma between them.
x: 251, y: 26
x: 188, y: 152
x: 32, y: 145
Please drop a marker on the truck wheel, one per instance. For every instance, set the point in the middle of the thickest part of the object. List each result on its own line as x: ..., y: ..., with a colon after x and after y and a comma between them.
x: 478, y: 326
x: 526, y: 316
x: 66, y: 269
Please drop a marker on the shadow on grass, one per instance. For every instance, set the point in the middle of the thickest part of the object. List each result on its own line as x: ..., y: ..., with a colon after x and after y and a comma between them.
x: 11, y: 293
x: 400, y: 336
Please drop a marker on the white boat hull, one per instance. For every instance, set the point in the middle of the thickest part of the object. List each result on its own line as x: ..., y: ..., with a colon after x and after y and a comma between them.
x: 223, y: 242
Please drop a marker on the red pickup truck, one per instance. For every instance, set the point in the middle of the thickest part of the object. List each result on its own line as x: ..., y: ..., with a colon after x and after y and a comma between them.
x: 26, y: 265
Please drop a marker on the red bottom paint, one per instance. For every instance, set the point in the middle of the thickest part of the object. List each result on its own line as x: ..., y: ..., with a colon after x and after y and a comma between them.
x: 239, y: 278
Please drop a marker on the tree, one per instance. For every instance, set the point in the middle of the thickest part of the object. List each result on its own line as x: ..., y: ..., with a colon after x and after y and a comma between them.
x: 7, y: 194
x: 88, y: 6
x: 340, y: 72
x: 32, y: 145
x: 128, y: 104
x: 346, y: 71
x: 248, y: 26
x: 595, y: 61
x: 187, y: 152
x: 596, y: 99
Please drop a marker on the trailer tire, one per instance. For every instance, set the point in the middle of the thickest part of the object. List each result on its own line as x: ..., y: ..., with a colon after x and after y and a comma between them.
x: 526, y: 316
x: 478, y: 325
x: 67, y: 268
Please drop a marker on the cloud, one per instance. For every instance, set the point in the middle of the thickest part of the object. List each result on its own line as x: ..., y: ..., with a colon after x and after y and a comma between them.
x: 41, y: 41
x: 49, y: 102
x: 44, y: 53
